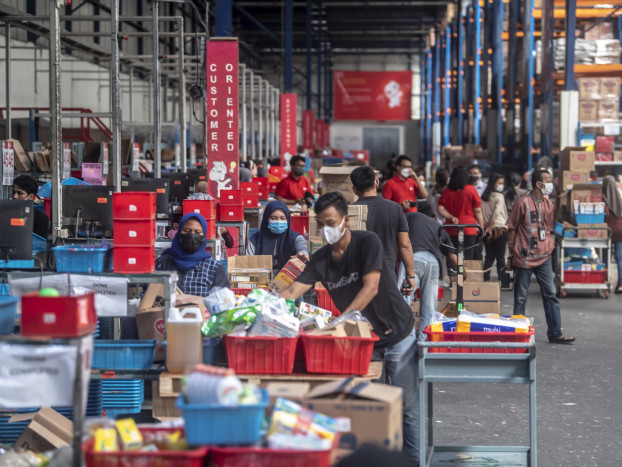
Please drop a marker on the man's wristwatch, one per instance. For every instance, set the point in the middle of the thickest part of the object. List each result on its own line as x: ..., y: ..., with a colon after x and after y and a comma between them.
x: 410, y: 277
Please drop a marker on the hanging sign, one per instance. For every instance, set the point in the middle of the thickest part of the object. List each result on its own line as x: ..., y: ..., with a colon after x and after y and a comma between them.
x: 105, y: 158
x: 326, y: 134
x: 66, y: 160
x: 8, y: 162
x: 222, y: 115
x: 136, y: 149
x: 307, y: 129
x: 319, y: 133
x: 289, y: 111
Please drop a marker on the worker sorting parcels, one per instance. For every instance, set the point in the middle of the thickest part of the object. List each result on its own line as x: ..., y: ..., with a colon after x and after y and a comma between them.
x: 354, y: 271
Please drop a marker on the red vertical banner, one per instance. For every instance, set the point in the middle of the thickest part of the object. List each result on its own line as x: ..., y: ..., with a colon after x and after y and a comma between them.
x: 222, y: 115
x: 326, y: 134
x: 319, y: 133
x: 289, y: 112
x: 307, y: 129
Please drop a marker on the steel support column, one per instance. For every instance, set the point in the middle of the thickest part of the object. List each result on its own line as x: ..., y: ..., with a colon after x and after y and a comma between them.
x: 267, y: 118
x: 497, y: 80
x: 571, y: 27
x: 436, y: 134
x: 429, y: 97
x: 7, y: 68
x: 460, y: 85
x: 183, y: 141
x: 477, y: 27
x: 308, y: 54
x: 289, y: 40
x: 260, y: 132
x: 222, y: 26
x: 468, y: 70
x: 277, y: 121
x: 131, y: 84
x: 251, y: 82
x: 510, y: 114
x: 447, y: 103
x: 157, y: 117
x: 56, y: 122
x: 548, y: 56
x: 115, y: 93
x: 527, y: 95
x: 422, y: 118
x: 319, y: 61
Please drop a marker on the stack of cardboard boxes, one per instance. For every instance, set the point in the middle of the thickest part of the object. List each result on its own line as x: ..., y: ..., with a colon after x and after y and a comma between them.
x: 358, y: 221
x: 599, y: 99
x: 479, y: 296
x: 577, y: 163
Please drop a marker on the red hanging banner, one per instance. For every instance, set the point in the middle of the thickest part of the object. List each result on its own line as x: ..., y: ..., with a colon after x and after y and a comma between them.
x: 307, y: 129
x: 373, y: 95
x: 289, y: 111
x: 326, y: 134
x: 319, y: 133
x: 222, y: 115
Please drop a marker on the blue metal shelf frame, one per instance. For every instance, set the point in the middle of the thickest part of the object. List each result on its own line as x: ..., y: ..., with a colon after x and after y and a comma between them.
x: 437, y: 95
x: 571, y: 27
x: 548, y: 56
x: 527, y: 97
x: 460, y: 106
x: 497, y: 76
x: 477, y: 26
x: 422, y: 103
x: 428, y: 155
x: 447, y: 102
x: 469, y: 71
x: 510, y: 136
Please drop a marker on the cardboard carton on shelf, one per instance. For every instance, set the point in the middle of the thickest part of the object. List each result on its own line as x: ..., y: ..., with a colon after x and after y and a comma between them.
x: 588, y: 110
x: 338, y: 179
x: 604, y: 157
x: 589, y: 88
x: 593, y: 231
x: 47, y: 430
x: 568, y: 178
x: 586, y: 193
x: 608, y: 109
x: 250, y: 272
x: 577, y: 159
x: 374, y: 410
x: 610, y: 87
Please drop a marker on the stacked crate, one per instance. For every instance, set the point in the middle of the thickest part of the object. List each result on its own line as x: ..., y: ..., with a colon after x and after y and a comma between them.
x: 134, y: 232
x: 207, y: 209
x: 231, y: 207
x: 250, y: 194
x: 262, y: 183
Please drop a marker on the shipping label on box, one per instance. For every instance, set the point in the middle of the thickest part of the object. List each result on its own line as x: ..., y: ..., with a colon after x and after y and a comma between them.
x: 570, y: 178
x: 576, y: 158
x: 593, y: 231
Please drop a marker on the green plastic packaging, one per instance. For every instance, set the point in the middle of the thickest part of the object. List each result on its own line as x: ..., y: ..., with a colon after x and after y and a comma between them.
x: 223, y: 323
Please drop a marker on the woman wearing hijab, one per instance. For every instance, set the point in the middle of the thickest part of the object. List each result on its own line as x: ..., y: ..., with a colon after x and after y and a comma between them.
x: 275, y: 237
x: 613, y: 218
x: 197, y: 271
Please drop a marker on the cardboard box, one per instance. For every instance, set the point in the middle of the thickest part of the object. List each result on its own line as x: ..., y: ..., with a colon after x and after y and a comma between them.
x: 295, y: 392
x: 480, y: 297
x: 163, y: 407
x: 153, y: 297
x: 586, y: 193
x: 589, y: 88
x: 374, y: 410
x: 610, y: 88
x: 608, y: 109
x: 568, y: 179
x: 191, y: 301
x: 249, y: 272
x: 617, y: 156
x: 588, y: 110
x: 593, y: 231
x: 358, y: 221
x: 151, y: 325
x: 575, y: 158
x: 47, y: 430
x: 604, y: 157
x: 338, y: 179
x: 474, y: 269
x: 22, y: 159
x: 288, y: 274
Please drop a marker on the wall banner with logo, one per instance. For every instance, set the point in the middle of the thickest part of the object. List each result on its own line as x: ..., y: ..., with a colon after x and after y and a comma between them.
x: 289, y: 111
x: 307, y: 129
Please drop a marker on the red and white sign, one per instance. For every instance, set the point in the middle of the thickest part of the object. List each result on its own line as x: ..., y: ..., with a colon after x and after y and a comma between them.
x: 66, y: 160
x: 105, y: 158
x: 326, y: 134
x: 289, y: 112
x: 373, y: 95
x: 8, y: 162
x: 307, y: 129
x: 361, y: 155
x: 136, y: 150
x: 222, y: 116
x: 319, y: 133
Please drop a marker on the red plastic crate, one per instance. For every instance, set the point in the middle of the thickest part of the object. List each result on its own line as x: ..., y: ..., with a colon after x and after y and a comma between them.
x: 249, y: 188
x: 133, y: 259
x: 211, y: 229
x: 585, y: 277
x: 63, y: 316
x: 441, y: 293
x: 207, y: 208
x: 455, y: 336
x: 262, y: 182
x: 300, y: 224
x: 134, y: 205
x: 251, y: 201
x: 272, y: 186
x: 264, y: 194
x: 261, y: 355
x: 338, y: 355
x: 132, y: 232
x: 324, y: 301
x: 230, y: 213
x: 231, y: 198
x: 264, y: 457
x: 192, y: 458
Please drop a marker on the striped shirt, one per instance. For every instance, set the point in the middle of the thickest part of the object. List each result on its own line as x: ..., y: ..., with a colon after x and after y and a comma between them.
x: 198, y: 280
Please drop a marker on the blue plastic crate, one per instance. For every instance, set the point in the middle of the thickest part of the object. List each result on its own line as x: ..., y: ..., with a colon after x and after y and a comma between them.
x: 123, y: 354
x: 211, y: 349
x: 8, y: 313
x: 559, y: 229
x: 589, y: 218
x: 573, y: 265
x: 79, y: 258
x: 39, y: 243
x: 215, y: 424
x: 114, y: 412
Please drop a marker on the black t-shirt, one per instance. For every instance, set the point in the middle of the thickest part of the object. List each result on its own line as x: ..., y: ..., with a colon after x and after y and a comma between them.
x: 385, y: 218
x: 387, y: 312
x: 41, y: 224
x: 424, y: 233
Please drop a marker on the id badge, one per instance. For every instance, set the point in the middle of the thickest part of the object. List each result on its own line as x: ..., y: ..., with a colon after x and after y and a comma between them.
x: 542, y: 234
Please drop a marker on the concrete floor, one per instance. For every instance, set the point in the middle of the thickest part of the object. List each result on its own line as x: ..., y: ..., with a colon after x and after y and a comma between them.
x: 579, y: 409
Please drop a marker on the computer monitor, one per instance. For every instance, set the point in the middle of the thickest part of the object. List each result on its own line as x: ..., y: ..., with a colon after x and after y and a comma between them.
x: 88, y: 207
x: 155, y: 185
x: 179, y: 184
x: 16, y: 223
x: 196, y: 176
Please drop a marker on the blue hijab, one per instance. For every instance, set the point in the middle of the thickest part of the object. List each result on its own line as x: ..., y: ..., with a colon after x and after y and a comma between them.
x: 265, y: 240
x: 183, y: 260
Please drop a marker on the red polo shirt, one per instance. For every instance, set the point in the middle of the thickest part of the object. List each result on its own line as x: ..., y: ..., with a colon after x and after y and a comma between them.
x: 290, y: 188
x: 399, y: 190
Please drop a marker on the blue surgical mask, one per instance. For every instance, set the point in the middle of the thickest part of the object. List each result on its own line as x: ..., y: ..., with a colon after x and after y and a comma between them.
x: 277, y: 227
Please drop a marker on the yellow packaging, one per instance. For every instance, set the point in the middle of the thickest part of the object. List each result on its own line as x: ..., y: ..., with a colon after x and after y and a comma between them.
x: 106, y: 440
x: 131, y: 439
x: 467, y: 323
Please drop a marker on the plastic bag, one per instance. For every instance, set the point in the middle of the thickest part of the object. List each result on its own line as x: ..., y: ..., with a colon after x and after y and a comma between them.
x: 259, y: 297
x: 225, y: 322
x: 219, y: 300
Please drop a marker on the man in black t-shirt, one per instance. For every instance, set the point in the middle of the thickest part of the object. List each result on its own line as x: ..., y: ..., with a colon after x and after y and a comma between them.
x: 353, y: 269
x: 386, y: 219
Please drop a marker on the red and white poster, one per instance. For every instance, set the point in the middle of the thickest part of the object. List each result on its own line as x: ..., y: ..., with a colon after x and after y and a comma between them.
x: 319, y: 133
x: 222, y: 116
x: 66, y: 172
x: 289, y: 112
x: 307, y: 129
x: 8, y: 162
x: 373, y: 95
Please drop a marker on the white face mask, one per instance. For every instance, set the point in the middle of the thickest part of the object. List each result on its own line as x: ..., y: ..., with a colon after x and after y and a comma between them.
x: 405, y: 173
x: 500, y: 188
x: 548, y: 189
x: 333, y: 234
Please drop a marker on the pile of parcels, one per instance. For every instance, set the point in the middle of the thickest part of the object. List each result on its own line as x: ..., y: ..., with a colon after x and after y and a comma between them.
x: 262, y: 313
x: 597, y: 47
x: 473, y: 322
x: 599, y: 98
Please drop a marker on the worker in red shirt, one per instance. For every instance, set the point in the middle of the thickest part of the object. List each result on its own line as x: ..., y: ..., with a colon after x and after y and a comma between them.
x: 295, y: 187
x: 404, y: 188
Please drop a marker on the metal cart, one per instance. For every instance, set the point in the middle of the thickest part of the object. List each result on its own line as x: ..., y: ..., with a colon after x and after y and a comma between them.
x: 512, y: 368
x: 562, y: 242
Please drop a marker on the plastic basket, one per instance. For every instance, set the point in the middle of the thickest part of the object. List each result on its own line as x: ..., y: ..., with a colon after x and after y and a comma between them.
x: 8, y: 313
x: 214, y: 424
x: 264, y: 457
x: 324, y: 301
x: 134, y: 205
x: 261, y: 355
x: 192, y: 458
x: 585, y: 277
x: 589, y: 218
x: 559, y: 229
x: 123, y: 354
x: 39, y: 243
x: 338, y: 355
x: 211, y: 350
x: 79, y: 258
x: 455, y: 336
